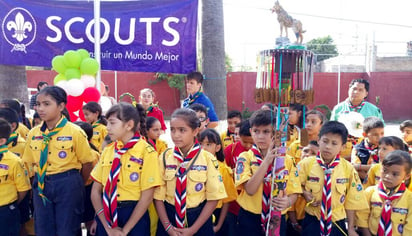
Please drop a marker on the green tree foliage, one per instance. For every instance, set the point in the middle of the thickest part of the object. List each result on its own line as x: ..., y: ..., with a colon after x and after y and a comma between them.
x: 228, y: 63
x: 174, y: 81
x: 323, y: 47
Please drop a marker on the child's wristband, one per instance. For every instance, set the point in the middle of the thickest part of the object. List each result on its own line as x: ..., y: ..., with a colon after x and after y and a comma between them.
x: 168, y: 227
x: 99, y: 212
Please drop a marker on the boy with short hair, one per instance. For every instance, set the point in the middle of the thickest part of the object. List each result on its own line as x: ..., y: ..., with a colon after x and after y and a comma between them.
x: 253, y: 177
x: 331, y: 186
x: 390, y: 203
x: 201, y: 113
x: 194, y: 81
x: 406, y: 129
x: 14, y: 184
x: 365, y: 153
x: 233, y: 118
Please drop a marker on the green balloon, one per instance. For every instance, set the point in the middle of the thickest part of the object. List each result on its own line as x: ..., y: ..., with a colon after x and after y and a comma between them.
x: 72, y: 59
x: 83, y: 53
x: 58, y: 64
x: 58, y: 78
x: 89, y: 66
x: 72, y: 74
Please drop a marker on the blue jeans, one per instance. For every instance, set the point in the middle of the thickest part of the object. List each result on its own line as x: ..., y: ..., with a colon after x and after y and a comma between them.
x: 62, y: 213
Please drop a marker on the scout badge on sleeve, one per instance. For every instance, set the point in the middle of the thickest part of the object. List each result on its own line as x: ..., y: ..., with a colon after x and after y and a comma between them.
x: 285, y: 76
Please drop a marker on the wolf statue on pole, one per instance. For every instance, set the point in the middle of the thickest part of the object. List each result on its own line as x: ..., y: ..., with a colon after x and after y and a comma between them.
x: 284, y: 76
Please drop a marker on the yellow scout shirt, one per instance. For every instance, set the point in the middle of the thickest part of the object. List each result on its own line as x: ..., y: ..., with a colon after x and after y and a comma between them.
x: 68, y: 149
x: 18, y: 146
x: 295, y: 151
x: 96, y: 157
x: 229, y: 184
x: 294, y: 136
x: 246, y: 166
x: 347, y: 191
x: 204, y: 181
x: 99, y: 132
x: 13, y: 178
x: 139, y: 170
x: 22, y: 130
x: 401, y: 215
x: 161, y: 146
x: 374, y: 175
x: 226, y: 140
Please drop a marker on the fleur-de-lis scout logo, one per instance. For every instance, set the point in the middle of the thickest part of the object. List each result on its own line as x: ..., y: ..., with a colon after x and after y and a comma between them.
x: 19, y: 29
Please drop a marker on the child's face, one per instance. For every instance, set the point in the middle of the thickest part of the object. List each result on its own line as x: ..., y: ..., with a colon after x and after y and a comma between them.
x: 392, y: 176
x: 192, y: 86
x: 89, y: 116
x: 374, y: 135
x: 330, y: 145
x: 246, y: 142
x: 237, y: 137
x: 232, y: 122
x: 182, y: 134
x: 209, y: 146
x: 117, y: 129
x: 384, y: 150
x: 313, y: 124
x: 48, y: 108
x: 203, y: 120
x: 310, y: 150
x: 407, y: 134
x: 146, y: 98
x: 262, y: 136
x: 294, y: 117
x: 155, y: 131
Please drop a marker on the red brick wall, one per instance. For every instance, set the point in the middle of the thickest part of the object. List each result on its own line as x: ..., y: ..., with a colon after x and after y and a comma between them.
x: 392, y: 87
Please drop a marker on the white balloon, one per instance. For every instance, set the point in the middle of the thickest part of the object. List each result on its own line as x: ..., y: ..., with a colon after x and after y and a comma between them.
x: 63, y: 84
x: 75, y: 87
x: 105, y: 103
x: 88, y: 80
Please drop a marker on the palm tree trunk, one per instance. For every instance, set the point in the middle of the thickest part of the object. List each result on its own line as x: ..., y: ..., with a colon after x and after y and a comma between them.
x: 13, y: 83
x: 213, y: 55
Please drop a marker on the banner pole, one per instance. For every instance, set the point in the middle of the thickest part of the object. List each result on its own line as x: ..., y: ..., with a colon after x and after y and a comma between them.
x: 97, y: 42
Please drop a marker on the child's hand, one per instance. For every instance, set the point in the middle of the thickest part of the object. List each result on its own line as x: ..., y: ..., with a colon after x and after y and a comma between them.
x: 185, y: 231
x: 115, y: 232
x: 281, y: 203
x: 310, y: 199
x: 352, y: 232
x: 172, y: 232
x: 93, y: 228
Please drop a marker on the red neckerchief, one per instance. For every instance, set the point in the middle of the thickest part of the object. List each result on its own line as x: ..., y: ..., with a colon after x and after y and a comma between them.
x: 373, y: 151
x: 385, y: 223
x: 355, y: 108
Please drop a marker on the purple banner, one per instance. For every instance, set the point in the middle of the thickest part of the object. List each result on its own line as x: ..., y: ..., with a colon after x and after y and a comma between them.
x: 145, y: 36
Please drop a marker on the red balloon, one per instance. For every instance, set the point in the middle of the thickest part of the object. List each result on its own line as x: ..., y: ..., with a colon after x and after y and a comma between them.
x: 81, y: 115
x: 74, y: 103
x: 73, y: 117
x: 91, y: 94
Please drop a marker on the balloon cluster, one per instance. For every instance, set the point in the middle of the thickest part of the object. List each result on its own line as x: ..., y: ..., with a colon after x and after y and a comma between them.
x: 76, y: 75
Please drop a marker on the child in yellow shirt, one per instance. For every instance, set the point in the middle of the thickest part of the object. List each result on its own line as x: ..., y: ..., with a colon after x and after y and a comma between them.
x: 228, y: 137
x: 386, y: 145
x: 210, y: 141
x: 390, y: 203
x: 406, y: 129
x: 154, y: 130
x: 93, y: 115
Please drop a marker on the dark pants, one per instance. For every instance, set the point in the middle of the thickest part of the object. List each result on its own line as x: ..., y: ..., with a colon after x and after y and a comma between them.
x: 10, y: 220
x: 124, y: 211
x: 250, y: 224
x: 191, y: 214
x: 231, y: 221
x: 89, y: 212
x: 62, y: 213
x: 311, y: 226
x: 24, y: 208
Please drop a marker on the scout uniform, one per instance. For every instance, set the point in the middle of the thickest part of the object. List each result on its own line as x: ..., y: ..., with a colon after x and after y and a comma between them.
x: 161, y: 146
x: 89, y: 211
x: 22, y: 130
x: 295, y: 151
x: 204, y: 183
x: 139, y: 171
x: 364, y: 154
x: 59, y: 204
x: 99, y: 133
x: 401, y: 208
x: 249, y: 217
x: 227, y: 138
x: 365, y: 108
x: 13, y: 179
x: 374, y: 175
x: 293, y: 135
x: 346, y: 193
